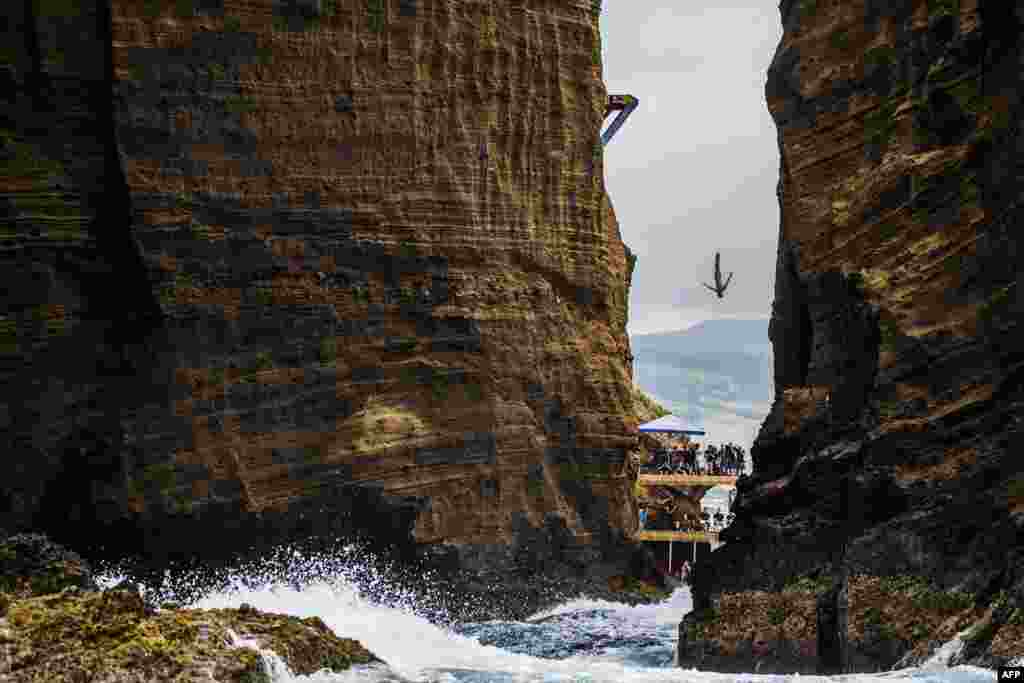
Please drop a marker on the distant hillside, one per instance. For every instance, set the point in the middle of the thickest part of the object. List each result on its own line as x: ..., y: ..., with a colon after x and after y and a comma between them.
x: 717, y: 374
x: 745, y: 336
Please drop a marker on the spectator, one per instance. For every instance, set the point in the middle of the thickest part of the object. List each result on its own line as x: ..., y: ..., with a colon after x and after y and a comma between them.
x: 684, y: 572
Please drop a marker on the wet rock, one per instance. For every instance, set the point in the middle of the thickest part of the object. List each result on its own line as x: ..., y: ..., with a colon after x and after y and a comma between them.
x: 113, y: 631
x: 32, y: 564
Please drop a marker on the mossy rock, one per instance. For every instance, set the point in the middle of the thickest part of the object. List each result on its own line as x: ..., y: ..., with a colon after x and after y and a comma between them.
x: 982, y: 632
x: 879, y: 57
x: 996, y: 304
x: 112, y: 635
x: 32, y: 564
x: 942, y: 8
x: 308, y: 645
x: 880, y: 124
x: 840, y: 40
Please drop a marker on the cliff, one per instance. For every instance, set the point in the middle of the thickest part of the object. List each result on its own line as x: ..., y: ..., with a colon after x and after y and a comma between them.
x: 888, y: 471
x: 312, y: 268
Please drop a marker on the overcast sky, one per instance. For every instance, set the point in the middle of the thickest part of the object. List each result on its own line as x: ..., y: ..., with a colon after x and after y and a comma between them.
x: 694, y: 168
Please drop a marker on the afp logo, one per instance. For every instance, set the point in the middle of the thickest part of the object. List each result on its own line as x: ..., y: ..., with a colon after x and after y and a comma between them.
x: 1010, y: 673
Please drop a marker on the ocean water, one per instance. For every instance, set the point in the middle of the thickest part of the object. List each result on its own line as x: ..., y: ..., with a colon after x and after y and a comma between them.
x: 579, y: 641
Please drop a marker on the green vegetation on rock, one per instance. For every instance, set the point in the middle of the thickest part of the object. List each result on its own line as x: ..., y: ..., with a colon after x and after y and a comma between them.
x: 108, y: 635
x: 265, y: 55
x: 941, y: 8
x: 925, y: 596
x: 888, y: 231
x: 439, y: 385
x: 969, y: 190
x: 856, y: 280
x: 882, y: 55
x: 57, y: 8
x: 876, y: 621
x: 151, y: 8
x: 160, y: 475
x: 473, y: 392
x: 360, y: 294
x: 232, y: 24
x: 8, y: 335
x: 642, y: 588
x: 583, y: 472
x: 535, y: 487
x: 808, y: 584
x: 1015, y: 490
x: 403, y: 344
x: 262, y: 362
x: 184, y: 9
x: 983, y: 631
x: 328, y: 350
x: 840, y: 40
x: 264, y: 295
x: 700, y: 622
x: 200, y: 231
x: 26, y: 161
x: 240, y: 105
x: 890, y: 332
x: 890, y: 409
x: 880, y: 124
x: 406, y: 250
x: 968, y: 96
x: 995, y: 304
x: 777, y: 614
x: 375, y: 10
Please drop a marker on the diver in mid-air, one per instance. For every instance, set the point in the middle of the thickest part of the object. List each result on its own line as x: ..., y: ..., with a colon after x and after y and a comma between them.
x: 719, y: 288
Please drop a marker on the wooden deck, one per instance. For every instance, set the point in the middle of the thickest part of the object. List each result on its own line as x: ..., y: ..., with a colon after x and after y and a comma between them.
x: 686, y: 480
x: 697, y: 536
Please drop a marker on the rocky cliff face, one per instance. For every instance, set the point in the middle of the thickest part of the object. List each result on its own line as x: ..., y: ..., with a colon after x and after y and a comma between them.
x: 307, y: 267
x: 893, y: 446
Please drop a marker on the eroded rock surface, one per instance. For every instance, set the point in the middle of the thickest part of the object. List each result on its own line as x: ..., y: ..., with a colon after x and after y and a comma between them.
x: 270, y: 273
x: 893, y: 444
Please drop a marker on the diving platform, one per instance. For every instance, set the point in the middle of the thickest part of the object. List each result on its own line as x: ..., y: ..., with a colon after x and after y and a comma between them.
x: 702, y: 480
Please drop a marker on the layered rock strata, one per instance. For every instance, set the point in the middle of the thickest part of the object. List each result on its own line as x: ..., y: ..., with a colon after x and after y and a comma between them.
x: 281, y: 269
x: 892, y: 448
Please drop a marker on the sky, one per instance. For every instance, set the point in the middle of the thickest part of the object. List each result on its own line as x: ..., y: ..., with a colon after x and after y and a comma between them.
x: 694, y: 169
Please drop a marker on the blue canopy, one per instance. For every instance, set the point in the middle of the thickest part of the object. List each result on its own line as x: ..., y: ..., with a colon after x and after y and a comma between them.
x: 670, y: 423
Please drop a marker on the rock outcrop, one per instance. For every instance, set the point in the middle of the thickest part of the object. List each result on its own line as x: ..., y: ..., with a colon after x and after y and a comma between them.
x: 284, y: 269
x: 57, y: 625
x: 893, y: 445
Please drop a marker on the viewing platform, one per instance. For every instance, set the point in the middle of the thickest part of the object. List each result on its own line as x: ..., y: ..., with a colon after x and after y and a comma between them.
x: 684, y: 536
x: 703, y: 480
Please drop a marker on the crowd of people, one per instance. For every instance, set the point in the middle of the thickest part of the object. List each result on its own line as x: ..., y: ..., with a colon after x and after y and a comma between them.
x: 727, y: 459
x: 708, y: 521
